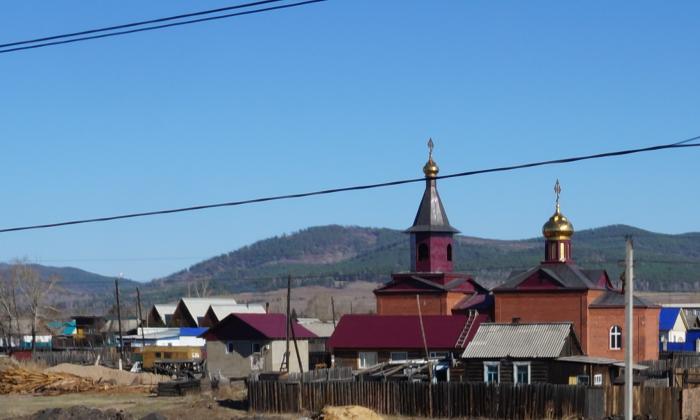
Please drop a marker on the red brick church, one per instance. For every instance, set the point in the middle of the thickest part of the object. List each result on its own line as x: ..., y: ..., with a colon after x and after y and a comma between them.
x: 558, y: 290
x: 442, y: 291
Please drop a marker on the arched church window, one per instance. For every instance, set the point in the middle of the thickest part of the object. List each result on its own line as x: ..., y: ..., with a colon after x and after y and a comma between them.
x: 615, y: 337
x: 449, y: 252
x: 422, y: 252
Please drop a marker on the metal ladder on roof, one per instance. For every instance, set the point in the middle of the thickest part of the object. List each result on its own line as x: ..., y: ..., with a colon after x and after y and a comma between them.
x: 471, y: 317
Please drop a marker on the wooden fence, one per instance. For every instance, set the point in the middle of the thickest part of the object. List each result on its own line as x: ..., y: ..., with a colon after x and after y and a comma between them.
x: 537, y: 401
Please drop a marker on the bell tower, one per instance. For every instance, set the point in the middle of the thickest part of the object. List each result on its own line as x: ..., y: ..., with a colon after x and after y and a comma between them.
x: 431, y: 233
x: 557, y: 232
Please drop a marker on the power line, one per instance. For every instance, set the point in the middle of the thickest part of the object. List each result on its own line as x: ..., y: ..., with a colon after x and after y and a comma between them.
x: 677, y: 145
x: 140, y: 23
x: 151, y: 28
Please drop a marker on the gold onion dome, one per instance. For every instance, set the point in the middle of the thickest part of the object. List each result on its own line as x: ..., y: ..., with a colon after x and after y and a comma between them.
x: 558, y: 226
x: 430, y: 169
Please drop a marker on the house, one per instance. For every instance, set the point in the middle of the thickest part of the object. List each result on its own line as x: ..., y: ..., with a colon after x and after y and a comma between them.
x: 362, y: 341
x: 557, y: 290
x: 521, y: 353
x: 190, y: 312
x: 110, y: 329
x: 160, y: 315
x: 19, y: 335
x: 442, y: 290
x: 319, y: 354
x: 216, y: 313
x: 166, y: 337
x: 244, y: 343
x: 672, y: 327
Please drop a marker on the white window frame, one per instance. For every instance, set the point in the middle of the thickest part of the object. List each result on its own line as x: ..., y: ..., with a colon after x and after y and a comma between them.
x: 618, y: 334
x: 362, y: 361
x: 598, y: 379
x: 392, y: 359
x: 436, y: 355
x: 515, y: 372
x: 498, y: 371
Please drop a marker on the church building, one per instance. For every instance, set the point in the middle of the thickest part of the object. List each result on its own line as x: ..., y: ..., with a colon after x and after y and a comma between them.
x: 441, y: 290
x: 557, y: 290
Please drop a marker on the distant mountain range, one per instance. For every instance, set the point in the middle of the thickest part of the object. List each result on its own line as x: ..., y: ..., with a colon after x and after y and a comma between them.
x: 332, y: 255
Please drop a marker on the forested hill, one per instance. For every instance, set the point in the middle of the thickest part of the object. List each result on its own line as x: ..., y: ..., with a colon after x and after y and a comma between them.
x: 327, y: 255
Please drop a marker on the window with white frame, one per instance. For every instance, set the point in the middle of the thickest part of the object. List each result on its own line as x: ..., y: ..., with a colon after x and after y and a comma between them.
x: 398, y: 357
x: 598, y: 379
x: 366, y: 359
x: 491, y: 372
x: 521, y: 372
x: 439, y: 355
x: 615, y: 337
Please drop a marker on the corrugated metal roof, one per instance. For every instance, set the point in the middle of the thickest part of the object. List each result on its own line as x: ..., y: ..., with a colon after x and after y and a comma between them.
x: 667, y: 318
x: 165, y: 309
x: 361, y: 331
x: 544, y: 340
x: 222, y: 311
x: 323, y: 329
x: 197, y: 307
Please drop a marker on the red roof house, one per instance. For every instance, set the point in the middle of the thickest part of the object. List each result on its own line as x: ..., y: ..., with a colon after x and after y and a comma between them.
x: 244, y: 343
x: 360, y: 341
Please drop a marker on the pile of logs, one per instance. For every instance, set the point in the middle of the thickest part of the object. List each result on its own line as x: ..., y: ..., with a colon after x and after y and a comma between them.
x: 18, y: 380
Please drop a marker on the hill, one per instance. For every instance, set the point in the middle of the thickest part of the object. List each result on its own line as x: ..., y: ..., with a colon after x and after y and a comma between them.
x: 331, y: 255
x: 77, y: 291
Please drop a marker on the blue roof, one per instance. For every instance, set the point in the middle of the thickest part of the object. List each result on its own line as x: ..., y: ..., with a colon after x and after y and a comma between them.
x: 667, y: 318
x: 192, y: 332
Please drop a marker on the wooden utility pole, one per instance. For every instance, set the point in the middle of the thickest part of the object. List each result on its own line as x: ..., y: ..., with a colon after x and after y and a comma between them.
x: 143, y: 335
x: 296, y: 349
x: 427, y: 358
x: 119, y: 323
x: 333, y: 311
x: 628, y: 342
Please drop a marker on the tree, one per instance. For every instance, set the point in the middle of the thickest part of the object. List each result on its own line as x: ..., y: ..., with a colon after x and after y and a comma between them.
x: 8, y: 304
x: 34, y: 290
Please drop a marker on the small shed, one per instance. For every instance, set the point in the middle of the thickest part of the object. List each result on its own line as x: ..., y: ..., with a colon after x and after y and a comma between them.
x: 244, y: 343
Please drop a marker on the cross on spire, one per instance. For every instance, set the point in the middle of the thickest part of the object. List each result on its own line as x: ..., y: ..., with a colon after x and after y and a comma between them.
x: 557, y: 191
x: 430, y: 148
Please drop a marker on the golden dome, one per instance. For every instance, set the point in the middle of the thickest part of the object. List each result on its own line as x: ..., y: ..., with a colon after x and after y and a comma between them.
x: 430, y: 169
x: 558, y: 226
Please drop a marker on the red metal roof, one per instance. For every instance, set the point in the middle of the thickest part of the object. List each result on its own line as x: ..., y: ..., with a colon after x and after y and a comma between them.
x: 248, y: 326
x: 398, y: 331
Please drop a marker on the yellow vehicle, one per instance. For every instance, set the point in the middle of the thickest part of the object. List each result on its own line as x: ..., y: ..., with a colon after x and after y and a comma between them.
x: 170, y: 360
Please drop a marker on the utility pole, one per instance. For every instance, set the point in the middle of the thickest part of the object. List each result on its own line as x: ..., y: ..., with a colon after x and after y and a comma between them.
x: 333, y: 311
x: 143, y: 335
x: 285, y: 361
x: 427, y: 357
x: 628, y: 342
x: 119, y: 322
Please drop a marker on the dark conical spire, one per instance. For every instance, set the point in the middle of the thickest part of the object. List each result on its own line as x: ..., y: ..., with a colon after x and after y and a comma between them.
x: 431, y: 215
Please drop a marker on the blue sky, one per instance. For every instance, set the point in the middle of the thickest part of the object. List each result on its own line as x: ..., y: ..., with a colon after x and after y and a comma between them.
x: 335, y: 94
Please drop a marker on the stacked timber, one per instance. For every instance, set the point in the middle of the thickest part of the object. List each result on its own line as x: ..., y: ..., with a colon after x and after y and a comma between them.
x: 17, y: 380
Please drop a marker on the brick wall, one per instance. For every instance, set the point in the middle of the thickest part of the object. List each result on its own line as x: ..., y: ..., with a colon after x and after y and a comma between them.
x: 646, y: 332
x: 545, y: 307
x: 400, y: 304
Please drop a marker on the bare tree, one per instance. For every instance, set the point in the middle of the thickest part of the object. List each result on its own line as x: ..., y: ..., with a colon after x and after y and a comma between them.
x: 8, y: 304
x: 201, y: 287
x: 34, y: 290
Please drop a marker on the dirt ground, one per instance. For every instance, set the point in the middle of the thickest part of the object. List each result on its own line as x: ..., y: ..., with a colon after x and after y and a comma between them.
x: 225, y: 404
